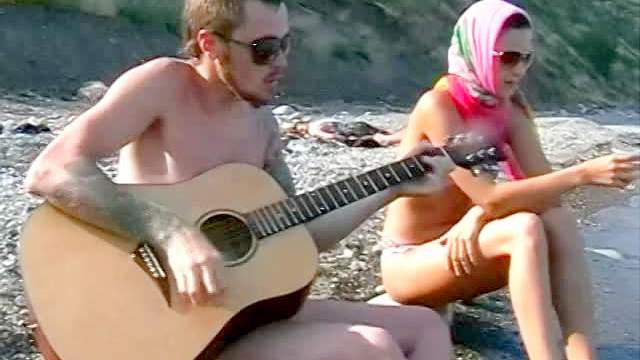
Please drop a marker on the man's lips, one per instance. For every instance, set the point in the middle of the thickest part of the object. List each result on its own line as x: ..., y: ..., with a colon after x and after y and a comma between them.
x: 273, y: 78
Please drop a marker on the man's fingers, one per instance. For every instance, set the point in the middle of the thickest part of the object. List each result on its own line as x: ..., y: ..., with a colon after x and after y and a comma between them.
x: 194, y: 291
x: 209, y: 280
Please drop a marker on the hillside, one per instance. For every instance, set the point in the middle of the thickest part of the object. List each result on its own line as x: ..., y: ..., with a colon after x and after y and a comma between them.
x: 365, y: 50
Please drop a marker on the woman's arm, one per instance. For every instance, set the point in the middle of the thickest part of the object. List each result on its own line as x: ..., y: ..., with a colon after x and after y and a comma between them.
x: 438, y: 118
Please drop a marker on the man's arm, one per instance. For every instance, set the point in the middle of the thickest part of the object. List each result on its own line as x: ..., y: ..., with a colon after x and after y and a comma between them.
x: 330, y: 228
x: 65, y: 173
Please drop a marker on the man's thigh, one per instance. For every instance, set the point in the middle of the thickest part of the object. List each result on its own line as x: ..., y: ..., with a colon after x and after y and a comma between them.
x: 404, y: 323
x: 294, y: 340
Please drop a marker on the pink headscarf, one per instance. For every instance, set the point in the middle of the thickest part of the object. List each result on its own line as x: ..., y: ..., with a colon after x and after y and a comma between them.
x: 473, y: 42
x: 472, y: 81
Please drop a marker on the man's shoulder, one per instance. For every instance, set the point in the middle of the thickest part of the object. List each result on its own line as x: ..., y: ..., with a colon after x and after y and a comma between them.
x: 265, y: 115
x: 164, y: 72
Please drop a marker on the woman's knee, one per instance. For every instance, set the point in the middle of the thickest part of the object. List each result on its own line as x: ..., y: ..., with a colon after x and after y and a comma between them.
x: 528, y: 233
x: 561, y: 225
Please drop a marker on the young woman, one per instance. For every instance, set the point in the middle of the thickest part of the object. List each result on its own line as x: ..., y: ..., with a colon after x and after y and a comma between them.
x: 482, y: 235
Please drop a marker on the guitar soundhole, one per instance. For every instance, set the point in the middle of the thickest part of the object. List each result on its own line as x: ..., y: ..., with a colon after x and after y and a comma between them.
x: 231, y: 236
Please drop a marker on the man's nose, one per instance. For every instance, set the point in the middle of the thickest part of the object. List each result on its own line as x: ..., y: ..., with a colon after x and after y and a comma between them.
x: 281, y: 61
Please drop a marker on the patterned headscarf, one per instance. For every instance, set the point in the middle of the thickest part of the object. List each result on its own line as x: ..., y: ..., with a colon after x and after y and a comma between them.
x: 473, y: 42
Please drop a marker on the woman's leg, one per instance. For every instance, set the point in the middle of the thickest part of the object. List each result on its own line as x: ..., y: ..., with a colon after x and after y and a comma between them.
x: 331, y: 330
x: 514, y: 250
x: 570, y: 283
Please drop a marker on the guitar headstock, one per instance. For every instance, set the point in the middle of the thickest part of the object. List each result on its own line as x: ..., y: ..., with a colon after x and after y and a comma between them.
x: 474, y: 152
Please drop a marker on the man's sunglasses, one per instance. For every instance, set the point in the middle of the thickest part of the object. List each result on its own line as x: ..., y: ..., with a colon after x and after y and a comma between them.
x: 265, y: 50
x: 513, y: 58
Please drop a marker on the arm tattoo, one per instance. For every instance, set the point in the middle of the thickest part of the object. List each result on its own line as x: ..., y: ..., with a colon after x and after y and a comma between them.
x: 96, y: 200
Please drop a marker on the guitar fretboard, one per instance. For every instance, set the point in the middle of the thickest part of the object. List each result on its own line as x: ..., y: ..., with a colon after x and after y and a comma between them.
x: 305, y: 207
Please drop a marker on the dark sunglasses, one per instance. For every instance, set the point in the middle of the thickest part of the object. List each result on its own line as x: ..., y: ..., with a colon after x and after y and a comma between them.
x: 264, y: 50
x: 513, y: 58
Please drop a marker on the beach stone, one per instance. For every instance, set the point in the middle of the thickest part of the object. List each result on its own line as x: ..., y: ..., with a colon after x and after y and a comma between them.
x: 92, y: 91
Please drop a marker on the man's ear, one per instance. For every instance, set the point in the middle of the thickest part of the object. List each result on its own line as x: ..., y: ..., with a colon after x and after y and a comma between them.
x: 208, y: 43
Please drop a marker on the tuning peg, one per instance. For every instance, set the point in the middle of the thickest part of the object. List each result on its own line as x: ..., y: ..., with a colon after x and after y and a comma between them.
x: 471, y: 158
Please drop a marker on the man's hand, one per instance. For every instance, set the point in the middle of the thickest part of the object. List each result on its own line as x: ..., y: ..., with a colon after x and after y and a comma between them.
x: 195, y: 269
x: 432, y: 182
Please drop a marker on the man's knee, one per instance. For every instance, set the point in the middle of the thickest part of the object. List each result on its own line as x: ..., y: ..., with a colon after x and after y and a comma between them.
x: 368, y: 343
x: 431, y: 328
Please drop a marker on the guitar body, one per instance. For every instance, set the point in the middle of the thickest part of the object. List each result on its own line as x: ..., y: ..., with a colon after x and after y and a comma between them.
x: 93, y: 300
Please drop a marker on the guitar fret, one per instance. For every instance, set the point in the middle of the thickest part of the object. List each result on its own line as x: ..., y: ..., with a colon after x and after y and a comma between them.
x: 336, y: 194
x: 382, y: 176
x: 405, y: 168
x: 270, y: 221
x: 271, y: 218
x: 355, y: 186
x: 300, y: 218
x: 346, y: 202
x: 256, y: 220
x: 412, y: 162
x: 387, y: 172
x: 366, y: 184
x: 310, y: 199
x: 325, y: 208
x: 287, y: 214
x: 350, y: 191
x: 377, y: 180
x: 264, y: 222
x: 424, y: 171
x: 335, y: 203
x: 364, y: 191
x: 283, y: 214
x: 395, y: 174
x: 372, y: 182
x: 304, y: 207
x: 278, y: 226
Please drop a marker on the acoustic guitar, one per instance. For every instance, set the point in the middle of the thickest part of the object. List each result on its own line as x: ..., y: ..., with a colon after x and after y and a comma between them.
x: 98, y: 296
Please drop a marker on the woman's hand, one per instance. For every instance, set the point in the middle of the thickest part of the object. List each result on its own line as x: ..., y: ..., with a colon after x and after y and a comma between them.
x: 462, y: 242
x: 616, y: 170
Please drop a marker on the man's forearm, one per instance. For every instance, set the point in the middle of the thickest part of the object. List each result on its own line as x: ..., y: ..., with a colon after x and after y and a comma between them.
x: 327, y: 230
x: 87, y: 194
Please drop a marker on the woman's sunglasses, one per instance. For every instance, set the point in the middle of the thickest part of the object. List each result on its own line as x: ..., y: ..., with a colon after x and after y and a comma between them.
x: 264, y: 50
x: 513, y: 58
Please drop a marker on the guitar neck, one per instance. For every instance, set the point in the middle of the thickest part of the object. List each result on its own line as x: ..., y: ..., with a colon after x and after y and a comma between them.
x: 302, y: 208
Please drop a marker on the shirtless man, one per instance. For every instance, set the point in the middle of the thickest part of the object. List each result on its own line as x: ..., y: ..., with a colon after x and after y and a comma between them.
x: 174, y: 119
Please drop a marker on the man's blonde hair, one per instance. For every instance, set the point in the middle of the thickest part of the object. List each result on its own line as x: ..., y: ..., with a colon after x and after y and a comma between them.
x: 219, y: 16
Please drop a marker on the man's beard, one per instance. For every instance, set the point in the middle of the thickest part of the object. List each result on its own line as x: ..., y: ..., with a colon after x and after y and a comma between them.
x: 224, y: 73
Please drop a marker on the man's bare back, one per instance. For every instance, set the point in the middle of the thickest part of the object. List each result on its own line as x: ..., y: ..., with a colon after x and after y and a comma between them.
x: 192, y: 136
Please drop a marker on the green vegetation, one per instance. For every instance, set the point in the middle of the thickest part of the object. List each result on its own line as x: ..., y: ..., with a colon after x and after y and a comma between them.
x: 589, y: 50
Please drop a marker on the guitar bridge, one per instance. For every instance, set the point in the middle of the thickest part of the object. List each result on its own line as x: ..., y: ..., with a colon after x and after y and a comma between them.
x: 146, y: 256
